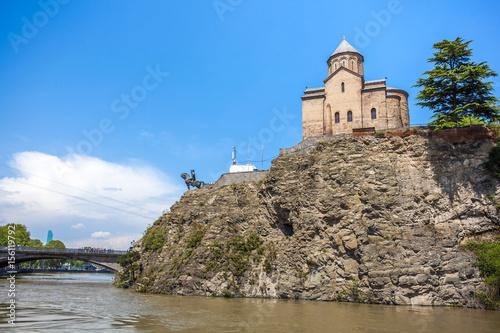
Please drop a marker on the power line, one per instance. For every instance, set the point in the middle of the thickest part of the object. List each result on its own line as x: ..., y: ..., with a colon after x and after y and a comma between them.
x: 83, y: 199
x: 79, y: 189
x: 267, y: 159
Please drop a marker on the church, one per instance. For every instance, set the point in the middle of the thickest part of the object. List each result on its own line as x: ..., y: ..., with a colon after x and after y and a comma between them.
x: 347, y: 103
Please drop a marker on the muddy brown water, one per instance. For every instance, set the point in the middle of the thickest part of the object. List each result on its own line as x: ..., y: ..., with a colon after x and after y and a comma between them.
x: 64, y: 302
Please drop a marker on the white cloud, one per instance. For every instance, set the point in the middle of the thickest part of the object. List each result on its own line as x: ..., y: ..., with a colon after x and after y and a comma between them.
x: 101, y: 234
x: 115, y: 242
x: 50, y: 192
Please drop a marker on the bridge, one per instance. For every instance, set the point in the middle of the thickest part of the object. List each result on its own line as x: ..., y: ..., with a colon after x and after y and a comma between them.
x: 105, y: 258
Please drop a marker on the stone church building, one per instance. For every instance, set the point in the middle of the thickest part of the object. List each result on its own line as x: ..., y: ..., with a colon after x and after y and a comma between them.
x: 347, y: 102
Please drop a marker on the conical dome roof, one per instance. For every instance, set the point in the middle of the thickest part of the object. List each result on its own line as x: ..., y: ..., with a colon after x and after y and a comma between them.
x: 345, y: 47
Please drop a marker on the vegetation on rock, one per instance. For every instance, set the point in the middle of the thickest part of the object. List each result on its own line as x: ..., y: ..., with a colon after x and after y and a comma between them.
x: 129, y: 264
x: 488, y: 254
x: 196, y: 236
x: 493, y: 162
x: 234, y: 258
x: 153, y: 239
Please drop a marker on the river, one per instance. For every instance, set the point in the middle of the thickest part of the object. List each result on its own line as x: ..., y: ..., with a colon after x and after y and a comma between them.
x: 73, y: 302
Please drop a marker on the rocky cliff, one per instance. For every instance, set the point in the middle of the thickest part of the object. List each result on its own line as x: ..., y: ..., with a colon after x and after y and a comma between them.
x: 358, y: 219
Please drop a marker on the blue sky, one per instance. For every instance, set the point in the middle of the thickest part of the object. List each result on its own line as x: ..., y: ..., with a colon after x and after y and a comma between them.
x: 104, y: 104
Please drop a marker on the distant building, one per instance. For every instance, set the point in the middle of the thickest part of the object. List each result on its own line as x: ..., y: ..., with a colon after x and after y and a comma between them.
x: 239, y: 173
x: 235, y: 167
x: 49, y: 236
x: 242, y: 168
x: 347, y: 102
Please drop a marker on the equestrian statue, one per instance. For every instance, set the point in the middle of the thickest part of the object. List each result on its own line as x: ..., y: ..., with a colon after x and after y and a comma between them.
x: 191, y: 181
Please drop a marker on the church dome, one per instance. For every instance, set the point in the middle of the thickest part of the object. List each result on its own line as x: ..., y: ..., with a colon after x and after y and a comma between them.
x: 345, y: 56
x: 345, y: 47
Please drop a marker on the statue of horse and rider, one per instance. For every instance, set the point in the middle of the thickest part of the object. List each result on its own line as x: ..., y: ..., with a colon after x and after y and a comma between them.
x: 191, y: 180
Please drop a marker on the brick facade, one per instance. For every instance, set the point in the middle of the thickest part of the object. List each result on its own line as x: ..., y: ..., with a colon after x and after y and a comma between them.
x: 348, y: 102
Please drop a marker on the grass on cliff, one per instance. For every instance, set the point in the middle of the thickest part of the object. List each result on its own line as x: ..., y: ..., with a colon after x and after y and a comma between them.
x: 237, y: 252
x: 488, y: 255
x: 197, y: 234
x: 193, y: 241
x: 153, y: 239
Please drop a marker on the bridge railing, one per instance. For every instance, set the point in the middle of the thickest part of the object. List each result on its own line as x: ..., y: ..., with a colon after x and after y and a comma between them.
x: 23, y: 249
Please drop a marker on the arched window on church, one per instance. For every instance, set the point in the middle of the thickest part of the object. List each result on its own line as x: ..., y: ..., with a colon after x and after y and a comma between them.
x: 349, y: 116
x: 343, y: 86
x: 374, y: 113
x: 335, y: 66
x: 337, y: 117
x: 352, y: 65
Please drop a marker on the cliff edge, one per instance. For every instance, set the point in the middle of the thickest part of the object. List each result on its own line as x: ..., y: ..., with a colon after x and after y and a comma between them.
x: 366, y: 219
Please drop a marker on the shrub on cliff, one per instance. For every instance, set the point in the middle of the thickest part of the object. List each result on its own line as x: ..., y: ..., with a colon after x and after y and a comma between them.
x: 194, y: 239
x: 493, y: 163
x: 129, y: 264
x: 128, y: 259
x: 235, y: 255
x: 488, y: 255
x: 153, y: 239
x: 495, y: 126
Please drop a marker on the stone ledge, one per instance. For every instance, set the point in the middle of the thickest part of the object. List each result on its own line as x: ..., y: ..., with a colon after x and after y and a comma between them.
x: 239, y: 177
x: 452, y: 135
x: 462, y: 134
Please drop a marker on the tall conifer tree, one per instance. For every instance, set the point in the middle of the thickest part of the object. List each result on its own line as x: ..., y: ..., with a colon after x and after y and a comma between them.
x: 455, y: 90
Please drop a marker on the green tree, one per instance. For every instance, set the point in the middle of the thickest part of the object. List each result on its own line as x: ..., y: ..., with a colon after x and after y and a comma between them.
x: 21, y: 234
x: 35, y: 243
x: 22, y: 237
x: 456, y: 88
x: 129, y: 263
x: 55, y: 244
x: 75, y: 263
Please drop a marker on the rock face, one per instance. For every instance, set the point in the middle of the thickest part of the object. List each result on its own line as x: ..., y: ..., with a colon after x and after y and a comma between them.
x: 358, y: 219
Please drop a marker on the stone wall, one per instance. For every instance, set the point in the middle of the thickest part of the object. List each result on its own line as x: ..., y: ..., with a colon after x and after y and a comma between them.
x: 344, y: 102
x: 345, y: 92
x: 462, y: 135
x: 308, y: 144
x: 452, y: 135
x: 312, y: 115
x: 374, y: 99
x: 240, y: 177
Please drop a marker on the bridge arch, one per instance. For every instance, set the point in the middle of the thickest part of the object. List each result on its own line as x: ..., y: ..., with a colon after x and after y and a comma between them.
x: 105, y: 258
